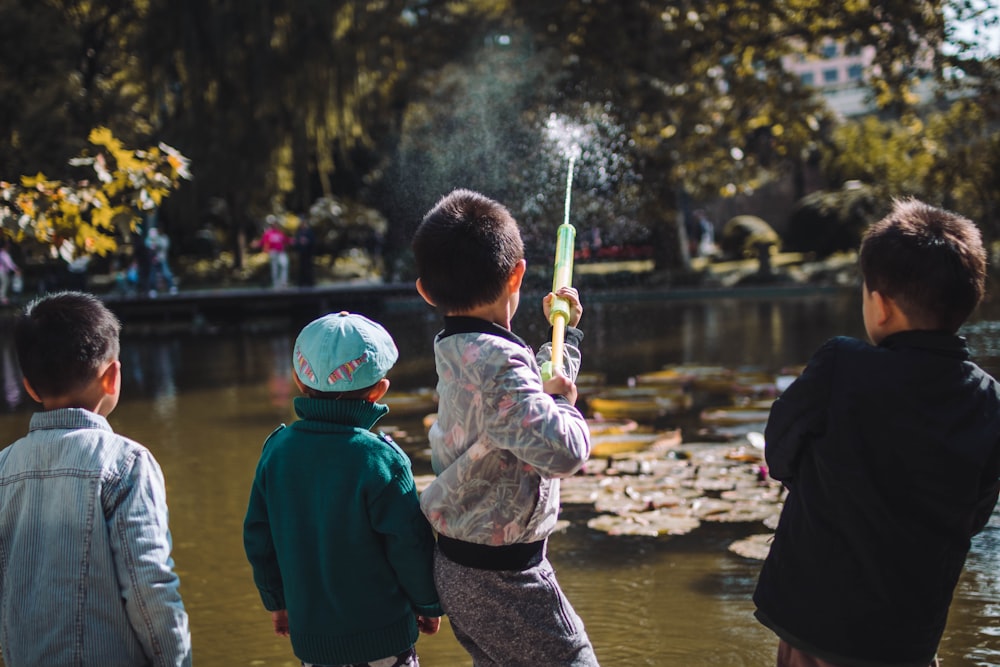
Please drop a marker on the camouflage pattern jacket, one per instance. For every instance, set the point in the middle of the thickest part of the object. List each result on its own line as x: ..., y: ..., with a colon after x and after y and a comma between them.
x: 500, y: 443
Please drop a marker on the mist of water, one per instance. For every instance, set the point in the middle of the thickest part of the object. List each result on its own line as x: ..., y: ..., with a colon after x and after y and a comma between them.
x: 497, y: 128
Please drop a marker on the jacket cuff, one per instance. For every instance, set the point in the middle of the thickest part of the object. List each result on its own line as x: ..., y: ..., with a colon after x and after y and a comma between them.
x: 272, y: 602
x: 431, y: 610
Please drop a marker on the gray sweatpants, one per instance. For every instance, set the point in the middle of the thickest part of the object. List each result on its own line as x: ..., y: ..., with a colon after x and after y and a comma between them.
x: 509, y: 618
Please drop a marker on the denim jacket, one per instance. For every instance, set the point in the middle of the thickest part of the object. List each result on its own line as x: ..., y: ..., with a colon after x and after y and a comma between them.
x: 86, y: 576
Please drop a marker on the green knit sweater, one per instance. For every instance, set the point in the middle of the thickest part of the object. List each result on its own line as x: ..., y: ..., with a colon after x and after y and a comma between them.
x: 335, y: 535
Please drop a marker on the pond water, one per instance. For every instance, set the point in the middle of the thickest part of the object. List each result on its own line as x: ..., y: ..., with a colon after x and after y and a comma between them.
x: 204, y: 404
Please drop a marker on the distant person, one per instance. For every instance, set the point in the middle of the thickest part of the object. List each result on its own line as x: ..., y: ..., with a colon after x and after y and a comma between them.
x: 158, y: 245
x: 275, y: 243
x: 341, y: 554
x: 891, y: 456
x: 86, y: 576
x: 75, y: 277
x: 304, y: 242
x: 502, y: 440
x: 127, y: 277
x: 8, y: 270
x: 706, y: 234
x: 701, y: 235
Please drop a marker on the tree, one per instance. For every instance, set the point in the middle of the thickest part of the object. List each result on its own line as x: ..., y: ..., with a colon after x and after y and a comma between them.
x: 66, y: 67
x: 698, y: 90
x: 84, y: 217
x: 281, y: 102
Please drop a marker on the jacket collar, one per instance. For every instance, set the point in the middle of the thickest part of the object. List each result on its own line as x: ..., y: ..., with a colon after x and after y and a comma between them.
x: 938, y: 342
x: 68, y: 418
x: 460, y: 325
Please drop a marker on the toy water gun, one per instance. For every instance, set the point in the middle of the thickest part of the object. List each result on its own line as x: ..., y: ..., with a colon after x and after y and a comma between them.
x: 559, y: 311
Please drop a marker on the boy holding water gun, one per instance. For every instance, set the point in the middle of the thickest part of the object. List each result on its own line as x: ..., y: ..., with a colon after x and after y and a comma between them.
x: 891, y: 456
x: 502, y: 440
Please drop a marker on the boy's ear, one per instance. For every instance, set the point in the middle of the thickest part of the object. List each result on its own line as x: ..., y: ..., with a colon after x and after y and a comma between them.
x: 884, y: 307
x: 423, y: 294
x: 378, y: 390
x: 517, y: 276
x: 31, y: 390
x: 111, y: 378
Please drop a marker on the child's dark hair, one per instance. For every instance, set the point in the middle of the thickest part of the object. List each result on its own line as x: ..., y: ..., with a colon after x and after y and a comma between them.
x: 465, y: 249
x: 62, y: 340
x: 931, y: 262
x: 351, y: 394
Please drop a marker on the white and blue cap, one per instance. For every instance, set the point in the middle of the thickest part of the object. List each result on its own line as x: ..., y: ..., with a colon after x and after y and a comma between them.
x: 343, y: 352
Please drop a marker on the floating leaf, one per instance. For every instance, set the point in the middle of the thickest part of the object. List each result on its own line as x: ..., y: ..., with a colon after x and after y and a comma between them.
x: 756, y: 546
x: 653, y: 524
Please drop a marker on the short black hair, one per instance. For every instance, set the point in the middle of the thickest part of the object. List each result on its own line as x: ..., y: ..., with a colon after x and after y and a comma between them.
x: 62, y: 339
x: 930, y: 261
x: 465, y: 249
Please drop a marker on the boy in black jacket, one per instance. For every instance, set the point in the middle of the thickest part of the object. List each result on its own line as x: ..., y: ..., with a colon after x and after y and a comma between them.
x: 891, y: 456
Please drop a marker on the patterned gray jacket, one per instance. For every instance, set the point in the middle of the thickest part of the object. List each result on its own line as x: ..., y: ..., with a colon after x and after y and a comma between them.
x: 500, y: 443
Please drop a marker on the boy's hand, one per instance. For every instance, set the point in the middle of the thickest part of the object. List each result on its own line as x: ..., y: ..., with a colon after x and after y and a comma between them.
x: 575, y: 307
x: 428, y: 625
x: 560, y: 385
x: 280, y: 620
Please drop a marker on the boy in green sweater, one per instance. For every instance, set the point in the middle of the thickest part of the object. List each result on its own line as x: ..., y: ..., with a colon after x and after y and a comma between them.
x: 341, y: 554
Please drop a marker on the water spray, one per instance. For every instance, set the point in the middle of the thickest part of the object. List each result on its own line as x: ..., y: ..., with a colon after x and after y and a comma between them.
x: 562, y: 276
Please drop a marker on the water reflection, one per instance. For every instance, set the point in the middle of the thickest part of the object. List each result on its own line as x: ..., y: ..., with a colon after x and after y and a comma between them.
x: 12, y: 387
x: 204, y: 405
x: 149, y: 367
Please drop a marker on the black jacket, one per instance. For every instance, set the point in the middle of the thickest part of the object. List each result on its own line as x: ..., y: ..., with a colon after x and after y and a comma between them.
x: 891, y: 457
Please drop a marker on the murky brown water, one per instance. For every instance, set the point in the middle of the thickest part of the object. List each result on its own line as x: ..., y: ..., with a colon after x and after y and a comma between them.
x: 205, y: 404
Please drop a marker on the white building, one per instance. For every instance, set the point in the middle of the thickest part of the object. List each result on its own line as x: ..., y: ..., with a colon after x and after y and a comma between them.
x: 839, y: 72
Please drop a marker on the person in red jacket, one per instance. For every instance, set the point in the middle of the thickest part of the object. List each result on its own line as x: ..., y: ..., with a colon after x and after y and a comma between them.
x: 275, y: 243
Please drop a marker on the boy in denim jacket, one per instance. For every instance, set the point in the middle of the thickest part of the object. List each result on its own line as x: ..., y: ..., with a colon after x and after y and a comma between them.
x: 86, y: 576
x: 891, y: 455
x: 502, y: 440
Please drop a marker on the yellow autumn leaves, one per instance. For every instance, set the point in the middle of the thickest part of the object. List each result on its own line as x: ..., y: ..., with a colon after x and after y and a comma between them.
x: 82, y: 217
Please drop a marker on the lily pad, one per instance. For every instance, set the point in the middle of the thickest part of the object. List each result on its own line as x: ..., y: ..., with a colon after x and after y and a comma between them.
x: 734, y: 416
x: 641, y: 404
x: 654, y: 523
x: 599, y: 427
x: 742, y: 513
x: 616, y: 443
x: 755, y: 547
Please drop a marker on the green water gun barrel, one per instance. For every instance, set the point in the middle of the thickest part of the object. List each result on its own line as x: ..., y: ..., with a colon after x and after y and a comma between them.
x: 562, y: 276
x: 559, y: 310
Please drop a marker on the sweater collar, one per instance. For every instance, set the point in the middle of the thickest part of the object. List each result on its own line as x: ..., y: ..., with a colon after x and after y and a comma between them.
x: 355, y: 413
x: 939, y: 342
x: 455, y: 324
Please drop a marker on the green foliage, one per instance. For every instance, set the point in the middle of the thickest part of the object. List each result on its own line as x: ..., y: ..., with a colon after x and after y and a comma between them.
x: 395, y: 102
x: 825, y: 222
x: 747, y: 236
x: 891, y: 155
x: 948, y: 158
